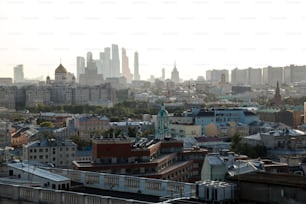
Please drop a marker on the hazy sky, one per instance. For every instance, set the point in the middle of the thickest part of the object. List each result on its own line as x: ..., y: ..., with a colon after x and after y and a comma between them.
x: 198, y: 34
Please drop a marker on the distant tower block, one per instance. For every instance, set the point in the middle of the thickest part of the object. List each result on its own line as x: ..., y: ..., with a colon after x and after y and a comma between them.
x: 175, y: 76
x: 163, y: 74
x: 136, y: 67
x: 18, y: 73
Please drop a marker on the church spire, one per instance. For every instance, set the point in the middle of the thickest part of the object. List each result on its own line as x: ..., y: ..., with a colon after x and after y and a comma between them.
x: 277, y: 97
x: 277, y: 91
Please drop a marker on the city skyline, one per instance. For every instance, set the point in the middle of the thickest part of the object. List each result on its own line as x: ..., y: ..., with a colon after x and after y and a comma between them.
x: 199, y: 35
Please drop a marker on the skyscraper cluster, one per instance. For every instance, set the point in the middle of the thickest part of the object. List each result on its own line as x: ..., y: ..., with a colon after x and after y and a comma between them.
x: 107, y: 66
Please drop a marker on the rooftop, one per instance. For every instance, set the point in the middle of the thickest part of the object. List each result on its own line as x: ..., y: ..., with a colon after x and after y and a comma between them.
x: 50, y: 142
x: 38, y: 172
x: 272, y: 178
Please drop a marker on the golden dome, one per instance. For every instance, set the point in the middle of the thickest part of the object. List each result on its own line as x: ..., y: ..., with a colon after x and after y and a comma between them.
x: 60, y: 69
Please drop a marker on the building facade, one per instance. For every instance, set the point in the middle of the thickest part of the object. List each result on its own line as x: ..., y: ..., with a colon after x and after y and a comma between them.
x: 18, y: 74
x: 60, y: 153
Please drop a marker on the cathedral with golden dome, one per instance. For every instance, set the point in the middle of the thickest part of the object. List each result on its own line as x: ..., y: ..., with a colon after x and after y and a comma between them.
x: 61, y: 76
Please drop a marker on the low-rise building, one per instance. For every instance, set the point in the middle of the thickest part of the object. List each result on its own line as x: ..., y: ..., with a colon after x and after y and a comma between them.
x: 48, y: 179
x: 5, y: 133
x: 89, y: 124
x: 164, y: 159
x: 182, y: 130
x: 60, y: 153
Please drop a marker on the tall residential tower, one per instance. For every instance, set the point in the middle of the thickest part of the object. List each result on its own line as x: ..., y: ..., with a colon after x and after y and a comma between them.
x: 18, y: 73
x: 136, y: 67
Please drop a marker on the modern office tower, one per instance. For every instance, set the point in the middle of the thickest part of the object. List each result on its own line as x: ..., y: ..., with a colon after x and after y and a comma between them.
x: 136, y: 67
x: 80, y: 67
x: 106, y: 63
x: 175, y: 77
x: 294, y: 73
x: 100, y: 64
x: 89, y: 58
x: 18, y: 73
x: 214, y: 76
x: 163, y: 74
x: 272, y: 75
x: 125, y: 66
x: 115, y: 67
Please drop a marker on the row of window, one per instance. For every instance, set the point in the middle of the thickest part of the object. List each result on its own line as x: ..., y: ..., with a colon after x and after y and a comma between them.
x: 47, y: 156
x: 53, y: 149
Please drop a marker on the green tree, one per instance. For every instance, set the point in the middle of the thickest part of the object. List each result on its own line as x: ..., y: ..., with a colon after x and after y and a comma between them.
x: 81, y: 142
x: 236, y: 143
x: 47, y: 124
x: 132, y: 131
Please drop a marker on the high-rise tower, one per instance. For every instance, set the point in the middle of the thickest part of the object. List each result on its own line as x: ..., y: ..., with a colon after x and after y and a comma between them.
x: 125, y: 66
x: 80, y: 66
x: 89, y: 59
x: 18, y: 73
x: 175, y: 77
x: 115, y: 68
x: 163, y: 74
x: 136, y: 67
x: 107, y: 63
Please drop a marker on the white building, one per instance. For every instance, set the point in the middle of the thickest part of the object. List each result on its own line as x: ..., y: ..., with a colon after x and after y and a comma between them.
x: 48, y: 179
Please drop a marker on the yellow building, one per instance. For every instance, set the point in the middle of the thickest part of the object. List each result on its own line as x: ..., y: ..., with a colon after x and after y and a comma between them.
x: 182, y: 130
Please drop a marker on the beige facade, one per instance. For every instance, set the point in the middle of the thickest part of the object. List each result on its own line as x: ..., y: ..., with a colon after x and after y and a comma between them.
x: 61, y: 154
x: 88, y: 125
x: 182, y: 130
x: 37, y: 95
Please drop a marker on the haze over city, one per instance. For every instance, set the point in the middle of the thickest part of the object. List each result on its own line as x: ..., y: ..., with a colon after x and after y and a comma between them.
x: 198, y: 35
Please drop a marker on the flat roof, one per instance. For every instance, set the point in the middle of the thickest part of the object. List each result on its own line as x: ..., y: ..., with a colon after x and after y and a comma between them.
x: 272, y: 178
x: 38, y: 172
